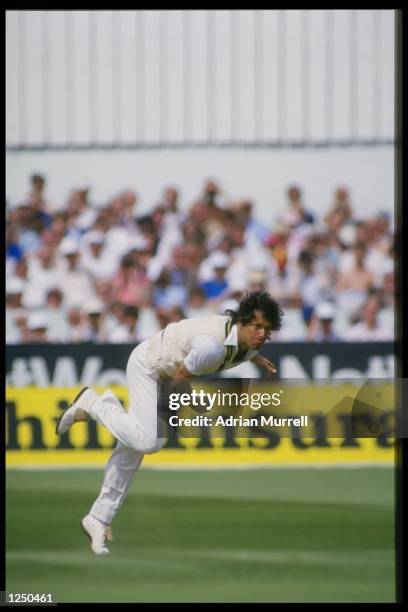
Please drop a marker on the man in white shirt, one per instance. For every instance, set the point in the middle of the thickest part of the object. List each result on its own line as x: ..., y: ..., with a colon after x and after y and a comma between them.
x: 94, y: 258
x: 74, y: 282
x: 188, y: 348
x: 369, y: 327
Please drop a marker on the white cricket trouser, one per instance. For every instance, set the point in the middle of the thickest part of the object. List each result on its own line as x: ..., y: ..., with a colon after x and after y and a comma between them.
x: 136, y: 431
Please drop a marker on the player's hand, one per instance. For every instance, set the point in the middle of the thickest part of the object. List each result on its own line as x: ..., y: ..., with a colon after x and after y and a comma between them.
x: 264, y: 363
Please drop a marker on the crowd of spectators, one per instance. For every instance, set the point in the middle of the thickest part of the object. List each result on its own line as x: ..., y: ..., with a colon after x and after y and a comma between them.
x: 80, y: 272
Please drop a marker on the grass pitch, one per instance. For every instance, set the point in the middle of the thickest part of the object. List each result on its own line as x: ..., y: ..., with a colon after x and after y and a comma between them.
x: 279, y: 535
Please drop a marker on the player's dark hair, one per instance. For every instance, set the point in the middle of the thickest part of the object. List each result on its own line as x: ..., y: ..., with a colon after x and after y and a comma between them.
x: 261, y: 301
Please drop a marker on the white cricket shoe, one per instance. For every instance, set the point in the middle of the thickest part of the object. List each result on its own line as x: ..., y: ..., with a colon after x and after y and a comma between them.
x: 82, y: 401
x: 98, y: 533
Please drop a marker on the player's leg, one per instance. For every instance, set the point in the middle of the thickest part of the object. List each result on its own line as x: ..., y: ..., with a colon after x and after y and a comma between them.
x: 136, y: 428
x: 141, y: 419
x: 119, y: 472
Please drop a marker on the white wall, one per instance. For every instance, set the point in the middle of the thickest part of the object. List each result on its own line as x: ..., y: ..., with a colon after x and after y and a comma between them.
x: 262, y: 174
x: 81, y: 77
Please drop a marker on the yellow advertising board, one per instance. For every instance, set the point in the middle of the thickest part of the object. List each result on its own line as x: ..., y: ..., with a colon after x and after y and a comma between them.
x: 31, y: 441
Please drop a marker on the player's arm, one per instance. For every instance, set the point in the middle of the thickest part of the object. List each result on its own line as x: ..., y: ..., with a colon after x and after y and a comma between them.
x: 204, y: 352
x: 264, y: 363
x: 182, y: 372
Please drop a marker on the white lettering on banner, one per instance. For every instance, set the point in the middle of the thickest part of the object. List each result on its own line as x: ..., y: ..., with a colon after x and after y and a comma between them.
x: 321, y: 366
x: 20, y: 375
x: 290, y: 367
x: 40, y: 371
x: 36, y: 371
x: 348, y: 373
x: 92, y: 367
x: 65, y: 374
x: 378, y: 367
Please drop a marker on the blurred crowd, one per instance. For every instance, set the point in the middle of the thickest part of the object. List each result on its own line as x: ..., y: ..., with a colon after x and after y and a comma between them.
x: 81, y: 272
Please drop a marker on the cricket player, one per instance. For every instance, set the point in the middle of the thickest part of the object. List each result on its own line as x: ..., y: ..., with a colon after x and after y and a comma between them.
x: 186, y: 349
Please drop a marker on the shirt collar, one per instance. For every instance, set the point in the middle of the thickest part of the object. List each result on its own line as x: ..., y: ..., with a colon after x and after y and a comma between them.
x: 232, y: 338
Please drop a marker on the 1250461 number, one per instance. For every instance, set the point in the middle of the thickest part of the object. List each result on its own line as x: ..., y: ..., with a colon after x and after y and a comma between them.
x: 29, y: 598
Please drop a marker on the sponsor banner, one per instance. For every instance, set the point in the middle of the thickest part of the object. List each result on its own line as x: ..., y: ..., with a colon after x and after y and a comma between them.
x: 31, y: 441
x: 103, y: 365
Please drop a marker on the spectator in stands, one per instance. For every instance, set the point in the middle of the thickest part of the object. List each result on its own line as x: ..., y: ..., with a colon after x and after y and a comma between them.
x: 244, y: 209
x: 16, y: 314
x: 75, y: 331
x: 353, y: 284
x: 53, y: 235
x: 198, y: 305
x: 159, y: 260
x: 296, y: 213
x: 167, y: 294
x: 42, y: 275
x: 105, y: 292
x: 94, y: 260
x: 127, y: 330
x: 369, y: 327
x: 321, y: 326
x: 14, y: 293
x: 28, y: 233
x: 75, y: 284
x: 37, y: 182
x: 94, y: 322
x: 41, y: 210
x: 212, y: 194
x: 217, y: 286
x: 305, y: 287
x: 36, y: 196
x: 37, y: 325
x: 14, y: 252
x: 387, y: 290
x: 131, y: 285
x: 170, y: 201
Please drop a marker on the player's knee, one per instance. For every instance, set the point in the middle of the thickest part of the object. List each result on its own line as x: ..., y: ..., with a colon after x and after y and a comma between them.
x: 153, y: 444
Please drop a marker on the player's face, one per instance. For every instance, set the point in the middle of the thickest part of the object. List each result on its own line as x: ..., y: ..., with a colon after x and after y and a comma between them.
x: 254, y: 334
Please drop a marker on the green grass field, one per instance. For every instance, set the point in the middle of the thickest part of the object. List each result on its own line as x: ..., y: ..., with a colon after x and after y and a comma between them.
x: 281, y: 535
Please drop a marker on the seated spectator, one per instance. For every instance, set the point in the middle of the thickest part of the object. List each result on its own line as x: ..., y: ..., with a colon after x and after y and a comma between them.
x: 131, y: 285
x: 37, y: 325
x: 55, y: 314
x: 75, y: 331
x: 127, y: 331
x: 74, y: 283
x: 354, y: 284
x: 37, y: 196
x: 296, y: 213
x: 197, y: 305
x: 95, y: 260
x: 321, y: 326
x: 16, y: 314
x: 167, y: 294
x: 341, y: 211
x: 42, y: 276
x: 305, y: 288
x: 14, y: 252
x: 105, y: 292
x: 218, y: 285
x: 65, y: 257
x: 94, y: 323
x: 369, y: 327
